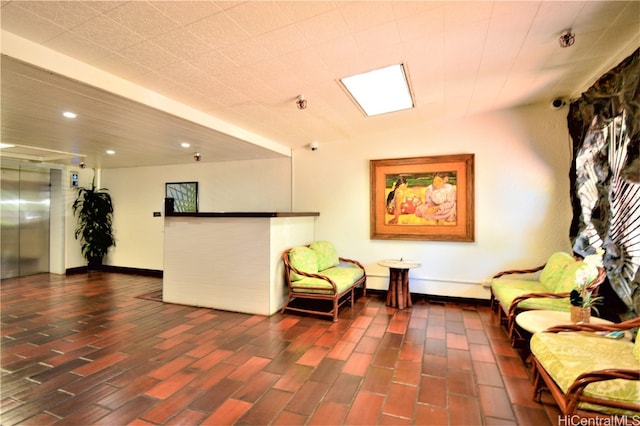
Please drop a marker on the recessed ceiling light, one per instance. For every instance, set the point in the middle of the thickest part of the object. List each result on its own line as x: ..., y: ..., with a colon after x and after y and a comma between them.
x: 110, y: 151
x: 69, y: 114
x: 380, y: 91
x: 185, y: 144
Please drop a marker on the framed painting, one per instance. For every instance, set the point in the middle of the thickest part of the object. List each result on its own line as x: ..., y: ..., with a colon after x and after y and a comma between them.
x: 423, y: 198
x: 184, y: 195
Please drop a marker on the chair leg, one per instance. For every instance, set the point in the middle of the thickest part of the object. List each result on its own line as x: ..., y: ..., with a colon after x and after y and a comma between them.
x: 537, y: 386
x: 284, y: 308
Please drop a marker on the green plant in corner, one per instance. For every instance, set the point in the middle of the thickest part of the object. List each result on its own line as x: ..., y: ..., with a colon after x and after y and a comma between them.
x: 94, y: 209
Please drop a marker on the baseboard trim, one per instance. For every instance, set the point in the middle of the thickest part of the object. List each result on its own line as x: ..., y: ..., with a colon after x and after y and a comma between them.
x: 117, y: 269
x: 432, y: 298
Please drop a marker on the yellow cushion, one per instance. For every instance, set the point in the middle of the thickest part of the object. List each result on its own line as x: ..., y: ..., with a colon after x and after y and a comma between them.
x: 553, y: 271
x: 326, y: 254
x: 507, y: 289
x: 567, y: 355
x: 303, y: 259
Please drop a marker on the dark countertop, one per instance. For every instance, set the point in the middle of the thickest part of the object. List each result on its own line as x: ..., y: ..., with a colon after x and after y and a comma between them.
x: 242, y: 214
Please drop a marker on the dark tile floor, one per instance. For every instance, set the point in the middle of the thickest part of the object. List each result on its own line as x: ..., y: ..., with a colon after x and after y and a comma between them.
x: 85, y: 349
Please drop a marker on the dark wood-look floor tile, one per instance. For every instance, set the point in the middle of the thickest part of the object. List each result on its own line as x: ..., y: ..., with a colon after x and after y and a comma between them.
x: 329, y: 413
x: 228, y: 413
x: 487, y: 374
x: 267, y: 407
x: 85, y: 349
x: 495, y: 402
x: 401, y: 400
x: 430, y: 415
x: 461, y: 381
x: 344, y: 388
x: 366, y: 409
x: 433, y: 391
x: 172, y: 405
x: 464, y: 410
x: 306, y: 399
x: 407, y: 372
x: 187, y: 417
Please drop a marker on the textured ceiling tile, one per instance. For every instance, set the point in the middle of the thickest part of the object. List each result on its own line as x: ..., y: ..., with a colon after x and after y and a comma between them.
x: 378, y: 37
x: 218, y: 30
x: 119, y: 65
x: 425, y: 26
x: 102, y: 30
x: 322, y: 28
x: 185, y: 12
x: 246, y: 52
x: 28, y: 25
x: 213, y: 63
x: 64, y: 13
x: 405, y: 9
x: 260, y: 17
x: 283, y: 40
x: 143, y: 18
x: 362, y: 15
x: 149, y: 54
x: 73, y: 45
x: 182, y: 43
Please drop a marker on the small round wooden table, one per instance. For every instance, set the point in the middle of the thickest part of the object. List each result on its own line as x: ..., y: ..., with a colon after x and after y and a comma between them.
x: 398, y: 295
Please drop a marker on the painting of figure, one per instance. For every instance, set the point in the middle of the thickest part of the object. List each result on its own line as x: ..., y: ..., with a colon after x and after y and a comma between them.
x: 423, y: 198
x: 429, y: 199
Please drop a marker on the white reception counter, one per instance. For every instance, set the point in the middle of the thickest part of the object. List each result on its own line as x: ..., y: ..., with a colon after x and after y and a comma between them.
x: 231, y: 261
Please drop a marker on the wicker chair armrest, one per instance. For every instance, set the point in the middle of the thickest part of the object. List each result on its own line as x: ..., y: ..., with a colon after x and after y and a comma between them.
x: 519, y: 271
x: 621, y: 326
x: 575, y: 395
x: 354, y: 262
x: 514, y: 304
x: 290, y: 268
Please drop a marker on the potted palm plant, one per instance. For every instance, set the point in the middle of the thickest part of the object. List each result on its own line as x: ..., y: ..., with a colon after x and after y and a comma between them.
x: 94, y: 209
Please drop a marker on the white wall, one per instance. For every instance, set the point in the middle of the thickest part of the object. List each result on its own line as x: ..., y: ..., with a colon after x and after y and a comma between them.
x: 522, y: 205
x: 256, y: 185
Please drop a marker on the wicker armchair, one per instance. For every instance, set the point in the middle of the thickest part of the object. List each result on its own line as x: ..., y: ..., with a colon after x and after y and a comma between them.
x: 511, y: 293
x: 316, y: 272
x: 589, y: 375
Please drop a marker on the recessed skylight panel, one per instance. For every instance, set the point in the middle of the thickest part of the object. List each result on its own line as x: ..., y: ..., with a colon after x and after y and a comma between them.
x: 380, y: 91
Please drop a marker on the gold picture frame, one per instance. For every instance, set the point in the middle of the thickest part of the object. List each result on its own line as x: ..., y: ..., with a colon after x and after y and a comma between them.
x: 423, y: 198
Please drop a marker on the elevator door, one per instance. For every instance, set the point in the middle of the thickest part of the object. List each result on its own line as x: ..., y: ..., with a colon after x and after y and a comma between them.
x: 24, y: 215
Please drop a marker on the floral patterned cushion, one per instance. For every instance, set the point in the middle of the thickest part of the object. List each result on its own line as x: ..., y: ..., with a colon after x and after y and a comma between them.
x: 567, y: 355
x: 304, y: 259
x: 636, y: 348
x: 342, y: 276
x: 567, y: 281
x: 553, y: 271
x: 326, y: 254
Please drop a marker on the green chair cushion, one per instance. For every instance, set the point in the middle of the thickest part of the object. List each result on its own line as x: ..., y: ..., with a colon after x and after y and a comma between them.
x: 553, y: 271
x: 342, y: 276
x: 567, y: 281
x: 305, y: 260
x: 567, y: 355
x: 507, y: 289
x: 636, y: 349
x: 326, y: 254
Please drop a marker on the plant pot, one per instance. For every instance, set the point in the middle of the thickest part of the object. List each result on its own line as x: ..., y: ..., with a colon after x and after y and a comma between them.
x: 95, y: 264
x: 580, y: 314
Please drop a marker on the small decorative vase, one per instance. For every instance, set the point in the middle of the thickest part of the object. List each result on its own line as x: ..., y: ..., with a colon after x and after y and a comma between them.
x: 580, y: 314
